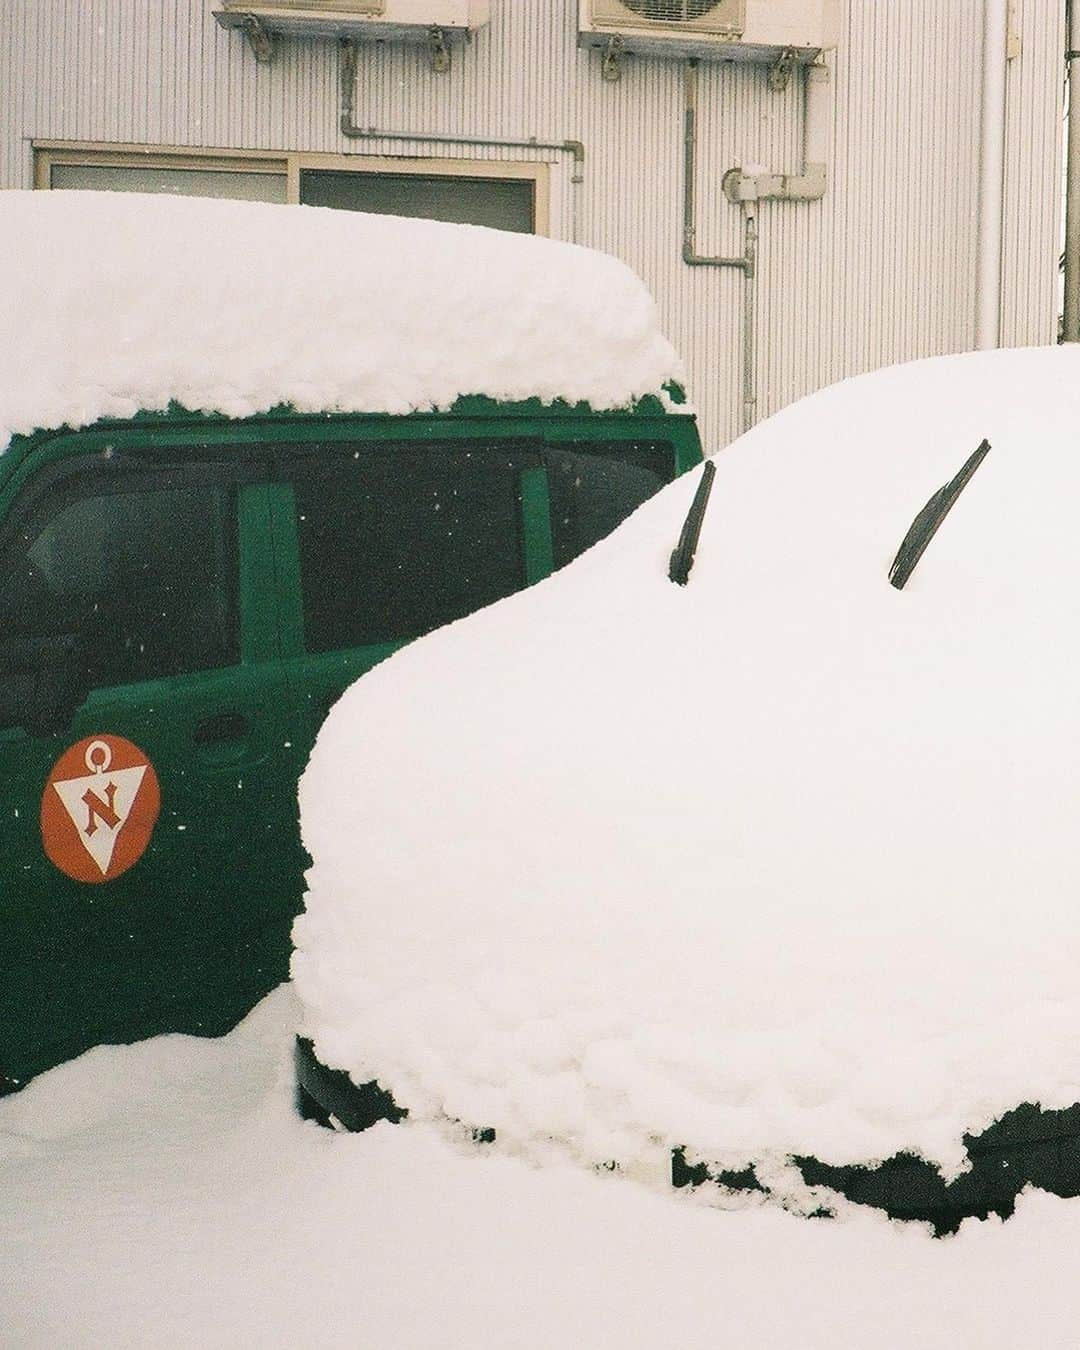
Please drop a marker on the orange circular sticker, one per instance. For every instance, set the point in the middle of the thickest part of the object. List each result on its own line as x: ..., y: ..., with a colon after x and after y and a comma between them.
x: 99, y: 808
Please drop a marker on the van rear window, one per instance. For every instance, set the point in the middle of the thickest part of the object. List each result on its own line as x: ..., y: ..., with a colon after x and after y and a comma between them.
x: 594, y: 487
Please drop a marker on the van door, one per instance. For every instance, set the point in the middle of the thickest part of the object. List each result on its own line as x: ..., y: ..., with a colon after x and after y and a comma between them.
x: 380, y: 541
x: 149, y: 856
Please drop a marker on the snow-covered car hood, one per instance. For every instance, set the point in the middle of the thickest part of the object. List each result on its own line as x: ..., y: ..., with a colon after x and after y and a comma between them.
x: 781, y: 862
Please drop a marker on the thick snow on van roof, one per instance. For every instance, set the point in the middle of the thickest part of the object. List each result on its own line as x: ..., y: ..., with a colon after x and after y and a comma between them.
x: 118, y: 303
x: 782, y: 863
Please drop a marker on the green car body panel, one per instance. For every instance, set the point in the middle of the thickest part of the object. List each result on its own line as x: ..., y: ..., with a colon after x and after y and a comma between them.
x: 196, y: 929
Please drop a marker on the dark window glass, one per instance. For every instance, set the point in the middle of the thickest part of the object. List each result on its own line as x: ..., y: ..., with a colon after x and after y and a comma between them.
x: 593, y: 488
x: 145, y: 578
x: 398, y: 539
x: 500, y: 203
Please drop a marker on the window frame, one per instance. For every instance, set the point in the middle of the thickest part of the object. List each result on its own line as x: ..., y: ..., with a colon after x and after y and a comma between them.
x: 573, y: 434
x: 48, y: 154
x: 270, y: 603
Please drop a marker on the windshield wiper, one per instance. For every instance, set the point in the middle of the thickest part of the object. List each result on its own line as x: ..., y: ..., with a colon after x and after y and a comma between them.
x: 924, y: 526
x: 682, y: 558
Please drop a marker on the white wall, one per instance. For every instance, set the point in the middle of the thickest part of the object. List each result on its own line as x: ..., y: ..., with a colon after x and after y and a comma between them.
x: 881, y: 270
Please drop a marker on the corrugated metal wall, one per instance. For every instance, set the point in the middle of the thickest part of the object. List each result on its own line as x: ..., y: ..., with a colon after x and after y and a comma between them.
x: 881, y: 270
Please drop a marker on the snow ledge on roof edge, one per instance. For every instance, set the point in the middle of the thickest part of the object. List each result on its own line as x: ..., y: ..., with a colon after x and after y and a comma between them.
x: 125, y: 303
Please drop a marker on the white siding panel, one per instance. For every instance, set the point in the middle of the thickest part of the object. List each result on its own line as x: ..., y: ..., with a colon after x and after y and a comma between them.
x: 881, y: 270
x: 1033, y: 153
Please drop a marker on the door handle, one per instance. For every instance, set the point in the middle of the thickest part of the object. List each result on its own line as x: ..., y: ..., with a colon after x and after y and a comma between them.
x: 220, y: 727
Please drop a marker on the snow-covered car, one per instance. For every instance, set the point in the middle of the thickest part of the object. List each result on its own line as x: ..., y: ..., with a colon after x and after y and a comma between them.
x: 246, y: 452
x: 766, y: 883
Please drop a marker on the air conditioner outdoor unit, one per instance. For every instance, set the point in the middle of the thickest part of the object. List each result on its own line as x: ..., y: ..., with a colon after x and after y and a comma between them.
x: 387, y: 20
x: 726, y: 30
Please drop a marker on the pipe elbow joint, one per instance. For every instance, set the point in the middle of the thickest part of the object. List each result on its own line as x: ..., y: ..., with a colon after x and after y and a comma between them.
x: 809, y: 186
x: 742, y: 188
x: 738, y: 187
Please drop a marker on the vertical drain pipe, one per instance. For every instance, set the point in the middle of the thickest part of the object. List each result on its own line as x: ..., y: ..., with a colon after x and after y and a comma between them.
x: 991, y: 176
x: 746, y: 189
x: 1070, y: 330
x: 749, y: 385
x: 692, y: 258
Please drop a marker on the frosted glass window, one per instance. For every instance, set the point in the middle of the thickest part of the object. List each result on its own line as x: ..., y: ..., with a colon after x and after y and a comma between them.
x: 249, y: 187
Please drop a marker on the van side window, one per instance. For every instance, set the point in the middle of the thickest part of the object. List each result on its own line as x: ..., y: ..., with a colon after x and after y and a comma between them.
x: 143, y: 576
x: 593, y: 487
x: 396, y: 539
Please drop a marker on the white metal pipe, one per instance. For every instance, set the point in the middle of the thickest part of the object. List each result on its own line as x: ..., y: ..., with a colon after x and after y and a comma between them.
x: 991, y: 175
x: 817, y: 122
x: 1070, y: 329
x: 749, y: 389
x: 808, y: 185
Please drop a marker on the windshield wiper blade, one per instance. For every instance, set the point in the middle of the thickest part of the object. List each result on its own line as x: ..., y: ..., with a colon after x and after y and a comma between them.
x: 682, y: 557
x: 925, y: 525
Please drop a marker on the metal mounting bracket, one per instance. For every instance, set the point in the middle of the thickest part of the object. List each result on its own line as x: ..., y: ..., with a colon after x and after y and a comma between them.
x: 256, y: 32
x: 780, y: 70
x: 610, y: 64
x: 440, y: 51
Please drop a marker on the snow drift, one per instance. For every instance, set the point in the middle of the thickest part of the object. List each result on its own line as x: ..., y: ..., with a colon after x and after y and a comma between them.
x: 116, y: 303
x: 779, y: 863
x: 167, y: 1194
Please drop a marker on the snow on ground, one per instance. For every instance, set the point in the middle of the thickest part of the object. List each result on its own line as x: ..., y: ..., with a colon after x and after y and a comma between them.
x: 779, y: 863
x: 121, y: 302
x: 165, y: 1195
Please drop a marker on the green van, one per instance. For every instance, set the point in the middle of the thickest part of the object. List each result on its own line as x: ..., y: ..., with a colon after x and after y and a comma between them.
x: 182, y: 598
